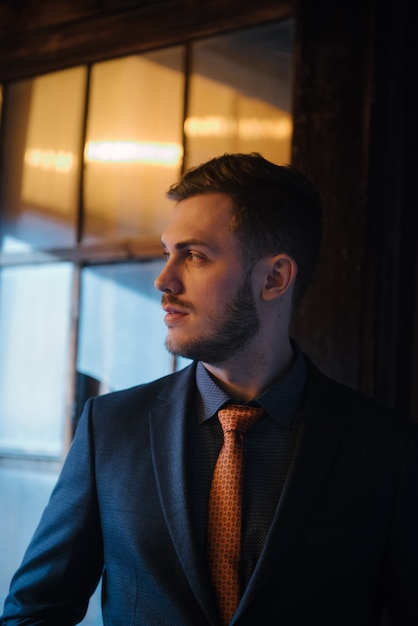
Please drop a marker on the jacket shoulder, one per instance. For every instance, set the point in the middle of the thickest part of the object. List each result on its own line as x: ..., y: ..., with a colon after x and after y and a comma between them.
x: 124, y: 414
x: 171, y: 385
x: 324, y: 390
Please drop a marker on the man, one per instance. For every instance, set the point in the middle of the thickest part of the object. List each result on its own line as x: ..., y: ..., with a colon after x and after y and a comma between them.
x: 329, y: 529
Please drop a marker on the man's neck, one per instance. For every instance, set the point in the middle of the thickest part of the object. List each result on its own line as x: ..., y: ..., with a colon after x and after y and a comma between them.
x: 245, y: 376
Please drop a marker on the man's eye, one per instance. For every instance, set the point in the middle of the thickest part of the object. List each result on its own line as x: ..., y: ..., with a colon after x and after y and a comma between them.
x: 194, y: 256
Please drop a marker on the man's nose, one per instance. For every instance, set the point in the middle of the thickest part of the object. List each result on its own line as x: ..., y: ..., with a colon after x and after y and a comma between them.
x: 167, y: 281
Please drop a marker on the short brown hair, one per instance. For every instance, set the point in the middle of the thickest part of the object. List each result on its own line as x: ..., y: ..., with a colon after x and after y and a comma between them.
x: 276, y: 208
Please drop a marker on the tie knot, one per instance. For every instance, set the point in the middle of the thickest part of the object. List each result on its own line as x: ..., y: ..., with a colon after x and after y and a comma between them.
x: 239, y: 417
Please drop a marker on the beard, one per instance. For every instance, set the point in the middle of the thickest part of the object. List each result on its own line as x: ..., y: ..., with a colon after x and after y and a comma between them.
x: 230, y: 332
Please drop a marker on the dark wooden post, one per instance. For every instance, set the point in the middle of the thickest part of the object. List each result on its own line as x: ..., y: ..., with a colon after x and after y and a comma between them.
x: 356, y: 130
x: 332, y: 100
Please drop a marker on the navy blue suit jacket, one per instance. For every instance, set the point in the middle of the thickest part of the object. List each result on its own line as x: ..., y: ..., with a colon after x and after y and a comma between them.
x: 343, y: 543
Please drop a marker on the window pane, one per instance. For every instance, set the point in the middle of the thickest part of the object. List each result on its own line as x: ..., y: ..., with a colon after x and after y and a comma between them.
x: 34, y: 358
x: 134, y: 143
x: 43, y: 134
x: 122, y: 332
x: 23, y: 496
x: 240, y: 94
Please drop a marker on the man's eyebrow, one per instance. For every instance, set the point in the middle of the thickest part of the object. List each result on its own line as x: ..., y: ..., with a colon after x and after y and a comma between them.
x: 180, y: 245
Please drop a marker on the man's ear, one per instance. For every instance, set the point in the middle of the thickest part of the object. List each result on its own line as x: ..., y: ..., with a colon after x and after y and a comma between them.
x: 280, y: 276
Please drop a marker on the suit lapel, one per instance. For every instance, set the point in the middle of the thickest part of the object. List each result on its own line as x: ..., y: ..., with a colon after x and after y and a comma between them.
x: 168, y: 441
x: 322, y: 429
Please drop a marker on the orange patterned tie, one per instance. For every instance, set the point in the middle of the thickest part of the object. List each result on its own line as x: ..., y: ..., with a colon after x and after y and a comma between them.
x: 225, y: 501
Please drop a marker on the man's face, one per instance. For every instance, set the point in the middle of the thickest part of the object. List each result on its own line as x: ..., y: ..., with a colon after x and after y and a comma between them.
x: 210, y: 309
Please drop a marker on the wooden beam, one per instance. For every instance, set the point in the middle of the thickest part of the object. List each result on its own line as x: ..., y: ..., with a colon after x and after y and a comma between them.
x: 80, y: 36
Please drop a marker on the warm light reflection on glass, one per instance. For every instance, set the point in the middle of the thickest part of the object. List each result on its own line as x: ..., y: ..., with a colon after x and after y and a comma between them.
x: 52, y: 160
x: 244, y: 128
x: 151, y: 153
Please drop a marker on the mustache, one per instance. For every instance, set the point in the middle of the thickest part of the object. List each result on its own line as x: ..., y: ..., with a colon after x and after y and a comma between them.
x: 170, y: 300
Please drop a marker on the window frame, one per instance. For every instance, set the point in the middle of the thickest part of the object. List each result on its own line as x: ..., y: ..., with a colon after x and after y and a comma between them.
x: 140, y: 248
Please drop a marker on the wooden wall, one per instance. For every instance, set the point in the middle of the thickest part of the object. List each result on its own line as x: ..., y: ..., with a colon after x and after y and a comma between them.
x: 332, y: 102
x: 355, y: 134
x: 355, y: 103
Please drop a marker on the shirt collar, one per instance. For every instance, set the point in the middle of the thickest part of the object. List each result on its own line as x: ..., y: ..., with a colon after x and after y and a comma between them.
x: 281, y: 400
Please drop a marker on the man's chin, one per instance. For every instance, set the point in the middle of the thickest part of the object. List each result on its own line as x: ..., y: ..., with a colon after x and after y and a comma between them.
x: 187, y: 350
x: 176, y: 348
x: 207, y: 352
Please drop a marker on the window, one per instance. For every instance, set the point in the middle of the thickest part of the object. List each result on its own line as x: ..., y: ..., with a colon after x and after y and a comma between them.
x: 42, y: 130
x: 34, y: 305
x: 133, y: 144
x: 88, y: 153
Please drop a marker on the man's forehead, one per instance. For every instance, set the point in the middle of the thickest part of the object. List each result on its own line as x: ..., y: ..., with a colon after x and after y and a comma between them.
x: 187, y: 243
x: 204, y: 218
x: 211, y: 201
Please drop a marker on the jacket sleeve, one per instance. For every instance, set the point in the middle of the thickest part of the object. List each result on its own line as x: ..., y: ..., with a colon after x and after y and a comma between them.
x: 63, y: 563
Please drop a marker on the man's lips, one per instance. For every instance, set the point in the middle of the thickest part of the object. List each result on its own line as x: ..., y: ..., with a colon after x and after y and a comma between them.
x: 173, y: 316
x: 174, y: 312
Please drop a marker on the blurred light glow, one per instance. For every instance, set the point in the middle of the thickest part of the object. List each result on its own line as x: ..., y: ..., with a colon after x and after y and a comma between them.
x: 51, y: 160
x: 245, y: 128
x: 253, y: 128
x: 211, y: 126
x: 151, y: 153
